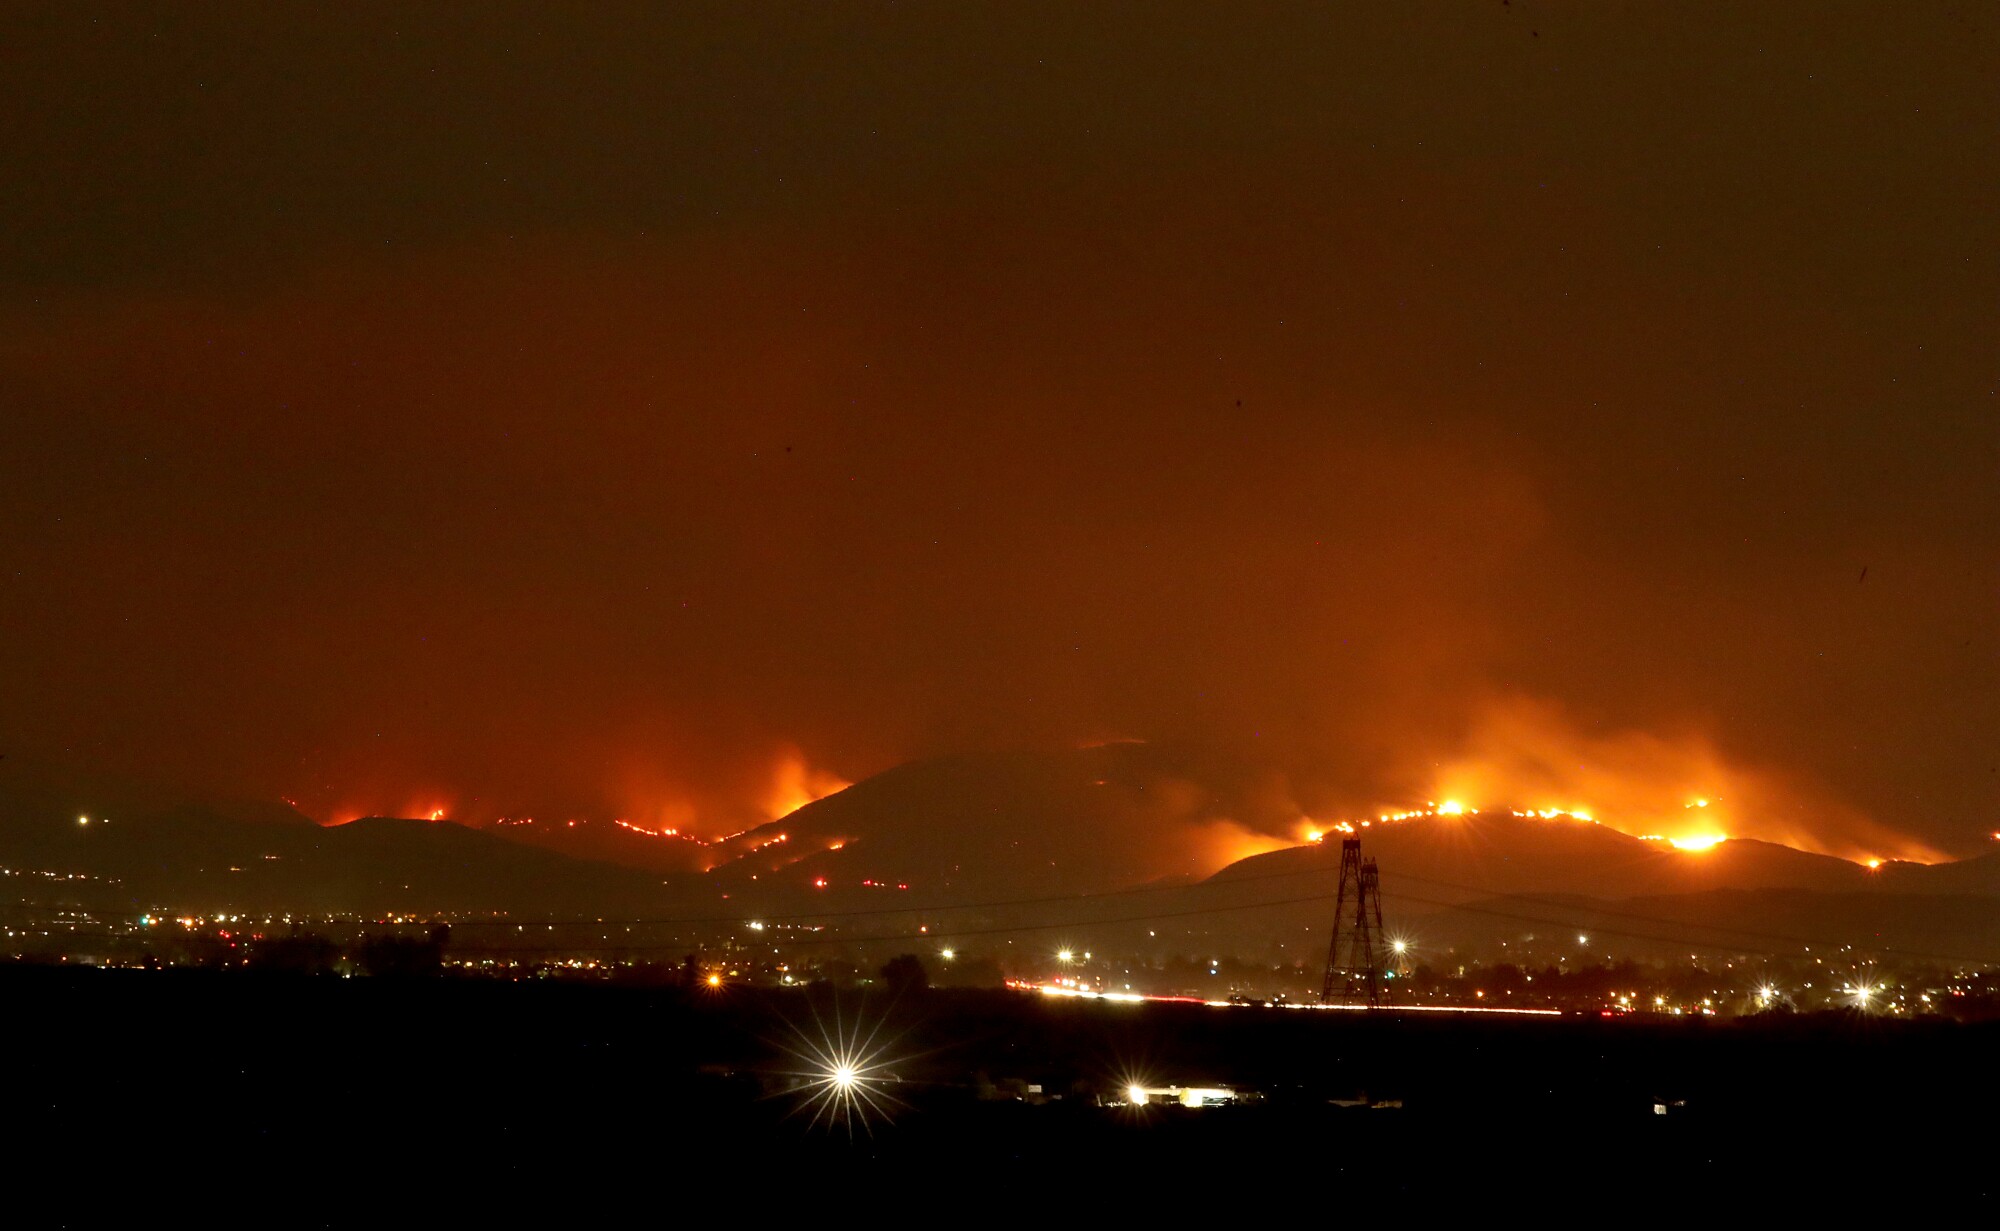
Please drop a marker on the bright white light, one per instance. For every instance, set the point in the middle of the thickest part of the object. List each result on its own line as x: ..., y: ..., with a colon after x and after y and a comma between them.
x: 1582, y: 940
x: 844, y: 1074
x: 83, y: 820
x: 949, y: 954
x: 1400, y: 946
x: 1135, y: 1095
x: 1065, y: 956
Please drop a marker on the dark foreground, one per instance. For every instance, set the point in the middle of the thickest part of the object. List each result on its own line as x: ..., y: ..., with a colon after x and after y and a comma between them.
x: 307, y: 1101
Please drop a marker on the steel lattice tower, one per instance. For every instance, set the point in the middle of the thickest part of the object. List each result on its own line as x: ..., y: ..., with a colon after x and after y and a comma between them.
x: 1352, y: 972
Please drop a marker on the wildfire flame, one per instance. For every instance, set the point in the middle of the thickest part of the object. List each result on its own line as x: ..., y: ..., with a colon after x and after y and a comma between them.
x: 795, y: 783
x: 1697, y: 842
x: 1678, y: 787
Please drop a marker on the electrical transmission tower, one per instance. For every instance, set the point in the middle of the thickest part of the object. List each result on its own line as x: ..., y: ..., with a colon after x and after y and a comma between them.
x: 1352, y: 972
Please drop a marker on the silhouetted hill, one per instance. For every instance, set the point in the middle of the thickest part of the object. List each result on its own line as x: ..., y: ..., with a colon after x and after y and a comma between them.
x: 1035, y: 828
x: 608, y: 841
x: 1002, y: 825
x: 1980, y: 874
x: 30, y: 789
x: 1445, y: 859
x: 192, y: 859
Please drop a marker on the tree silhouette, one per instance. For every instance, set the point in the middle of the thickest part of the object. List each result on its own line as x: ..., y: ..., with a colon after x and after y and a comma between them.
x: 906, y: 973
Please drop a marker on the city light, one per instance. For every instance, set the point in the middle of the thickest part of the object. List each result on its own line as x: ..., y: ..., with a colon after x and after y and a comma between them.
x: 845, y: 1075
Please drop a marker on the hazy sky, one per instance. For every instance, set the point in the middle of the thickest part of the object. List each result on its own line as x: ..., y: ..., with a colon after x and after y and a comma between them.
x: 578, y: 409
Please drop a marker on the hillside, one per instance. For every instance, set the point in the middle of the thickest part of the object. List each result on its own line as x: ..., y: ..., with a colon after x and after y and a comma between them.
x: 194, y: 860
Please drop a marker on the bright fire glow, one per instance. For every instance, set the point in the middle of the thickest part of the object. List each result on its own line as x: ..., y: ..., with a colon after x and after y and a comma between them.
x: 1698, y: 842
x: 794, y: 784
x: 1675, y: 783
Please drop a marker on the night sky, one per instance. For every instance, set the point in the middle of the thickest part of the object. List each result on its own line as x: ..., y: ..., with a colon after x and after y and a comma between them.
x: 596, y: 410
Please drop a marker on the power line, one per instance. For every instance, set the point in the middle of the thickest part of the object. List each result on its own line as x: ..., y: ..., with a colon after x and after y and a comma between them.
x: 951, y: 934
x: 894, y: 910
x: 1604, y: 910
x: 954, y: 933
